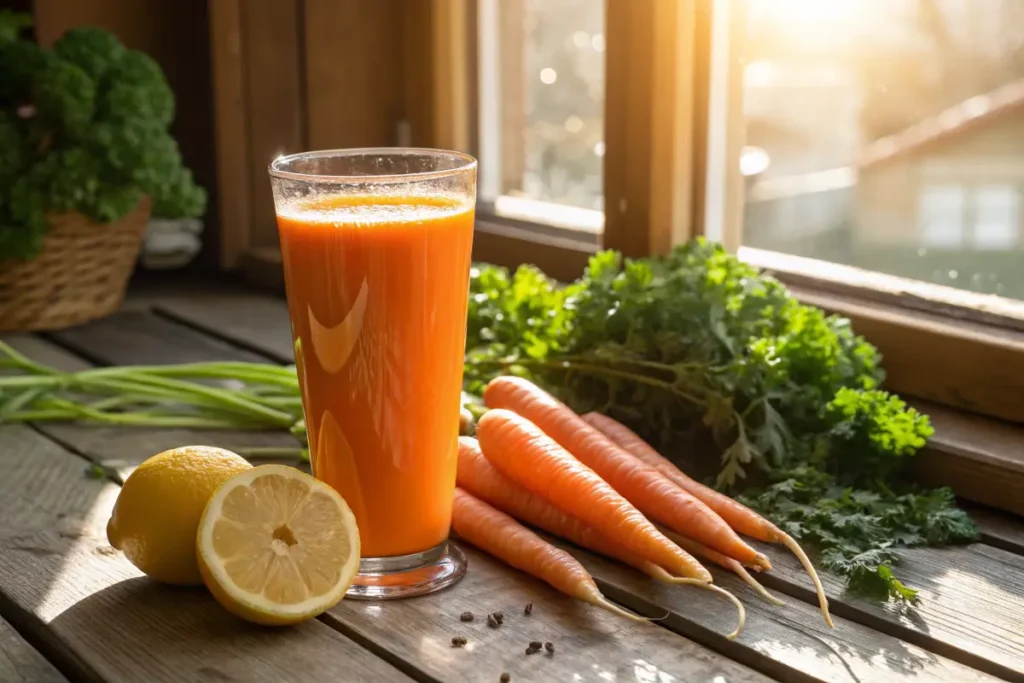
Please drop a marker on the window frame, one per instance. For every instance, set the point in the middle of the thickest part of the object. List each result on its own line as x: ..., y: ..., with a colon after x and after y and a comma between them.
x: 674, y: 73
x: 962, y: 353
x: 951, y: 347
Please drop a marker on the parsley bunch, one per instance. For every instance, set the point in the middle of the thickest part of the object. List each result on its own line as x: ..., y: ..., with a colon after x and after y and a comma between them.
x: 83, y: 127
x: 731, y: 377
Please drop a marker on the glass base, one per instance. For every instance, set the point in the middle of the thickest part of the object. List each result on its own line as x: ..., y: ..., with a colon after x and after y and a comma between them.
x: 403, y: 576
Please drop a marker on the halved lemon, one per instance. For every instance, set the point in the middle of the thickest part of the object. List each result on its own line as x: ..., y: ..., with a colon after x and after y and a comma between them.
x: 276, y: 546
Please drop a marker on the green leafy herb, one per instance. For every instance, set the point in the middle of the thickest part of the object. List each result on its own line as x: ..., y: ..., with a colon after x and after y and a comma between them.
x: 731, y: 377
x: 83, y: 128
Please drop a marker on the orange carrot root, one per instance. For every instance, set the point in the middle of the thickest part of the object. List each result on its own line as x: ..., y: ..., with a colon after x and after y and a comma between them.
x: 499, y: 535
x: 642, y: 485
x: 521, y: 451
x: 790, y: 542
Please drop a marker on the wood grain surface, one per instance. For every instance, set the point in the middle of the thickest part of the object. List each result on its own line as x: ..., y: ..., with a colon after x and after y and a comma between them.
x: 791, y: 642
x: 64, y: 585
x: 590, y: 644
x: 970, y: 606
x: 999, y: 529
x: 21, y: 663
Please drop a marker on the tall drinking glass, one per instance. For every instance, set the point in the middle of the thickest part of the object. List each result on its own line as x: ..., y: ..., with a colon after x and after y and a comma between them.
x: 376, y: 248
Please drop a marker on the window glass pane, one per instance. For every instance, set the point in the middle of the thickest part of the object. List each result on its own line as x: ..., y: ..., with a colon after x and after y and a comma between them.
x: 996, y: 217
x: 542, y: 108
x: 888, y: 135
x: 940, y: 213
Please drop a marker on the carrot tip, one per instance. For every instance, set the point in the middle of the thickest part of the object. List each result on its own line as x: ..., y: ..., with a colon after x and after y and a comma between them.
x: 793, y: 546
x: 742, y: 613
x: 758, y: 588
x: 603, y: 602
x: 741, y: 618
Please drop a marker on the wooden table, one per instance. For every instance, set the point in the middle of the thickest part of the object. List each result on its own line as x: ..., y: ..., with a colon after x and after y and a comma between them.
x: 72, y: 608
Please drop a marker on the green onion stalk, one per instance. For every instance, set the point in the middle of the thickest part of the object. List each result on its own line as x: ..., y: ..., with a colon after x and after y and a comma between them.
x: 217, y: 395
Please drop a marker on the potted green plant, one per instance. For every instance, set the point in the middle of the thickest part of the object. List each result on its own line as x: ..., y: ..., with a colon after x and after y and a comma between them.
x: 85, y: 156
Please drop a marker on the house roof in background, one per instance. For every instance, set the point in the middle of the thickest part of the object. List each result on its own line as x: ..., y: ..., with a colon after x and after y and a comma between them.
x: 961, y: 118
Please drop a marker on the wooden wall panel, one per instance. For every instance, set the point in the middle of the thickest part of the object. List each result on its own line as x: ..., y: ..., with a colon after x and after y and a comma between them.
x: 276, y: 100
x: 353, y: 59
x: 231, y: 126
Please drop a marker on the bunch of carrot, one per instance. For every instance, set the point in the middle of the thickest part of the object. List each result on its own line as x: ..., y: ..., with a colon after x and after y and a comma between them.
x: 592, y: 481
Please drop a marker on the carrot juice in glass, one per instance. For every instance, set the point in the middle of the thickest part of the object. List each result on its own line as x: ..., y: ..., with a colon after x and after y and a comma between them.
x: 376, y: 250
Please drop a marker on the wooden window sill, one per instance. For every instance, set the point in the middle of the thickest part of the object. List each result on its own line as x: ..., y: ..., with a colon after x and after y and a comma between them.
x: 980, y: 458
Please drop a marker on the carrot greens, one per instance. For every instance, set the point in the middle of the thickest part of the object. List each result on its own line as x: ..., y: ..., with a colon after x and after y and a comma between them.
x: 730, y: 376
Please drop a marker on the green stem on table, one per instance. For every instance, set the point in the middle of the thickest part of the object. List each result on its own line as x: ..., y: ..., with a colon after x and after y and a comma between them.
x: 130, y: 419
x: 243, y: 372
x: 50, y: 381
x: 19, y: 401
x: 227, y: 399
x: 24, y: 362
x: 122, y: 400
x: 41, y: 415
x: 283, y: 402
x: 130, y: 386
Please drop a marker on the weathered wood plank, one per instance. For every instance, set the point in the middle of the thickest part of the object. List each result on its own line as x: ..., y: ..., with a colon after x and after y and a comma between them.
x: 61, y: 582
x: 139, y: 337
x: 999, y: 529
x: 590, y: 644
x: 980, y: 458
x: 790, y: 642
x: 970, y: 607
x: 250, y: 320
x: 415, y: 634
x: 20, y: 662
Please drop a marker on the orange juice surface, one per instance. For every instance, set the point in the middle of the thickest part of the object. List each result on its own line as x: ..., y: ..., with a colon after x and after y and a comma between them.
x: 377, y: 289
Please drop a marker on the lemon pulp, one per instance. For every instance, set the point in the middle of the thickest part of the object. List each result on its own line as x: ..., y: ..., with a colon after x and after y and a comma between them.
x: 276, y: 546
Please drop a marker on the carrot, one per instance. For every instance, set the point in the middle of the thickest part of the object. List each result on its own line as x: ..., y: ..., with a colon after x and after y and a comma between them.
x: 738, y: 516
x: 480, y: 478
x: 644, y: 486
x: 525, y: 454
x: 499, y: 535
x: 698, y: 549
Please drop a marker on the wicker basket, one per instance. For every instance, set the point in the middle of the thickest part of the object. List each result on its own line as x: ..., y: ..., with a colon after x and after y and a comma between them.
x: 80, y: 275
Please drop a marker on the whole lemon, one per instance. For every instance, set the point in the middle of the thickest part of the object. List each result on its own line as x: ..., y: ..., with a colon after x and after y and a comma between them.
x: 157, y: 513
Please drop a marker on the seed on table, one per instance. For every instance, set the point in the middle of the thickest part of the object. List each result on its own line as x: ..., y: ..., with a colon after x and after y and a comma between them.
x: 466, y: 616
x: 532, y: 650
x: 492, y: 622
x: 505, y: 678
x: 549, y: 646
x: 535, y: 644
x: 528, y: 608
x: 500, y: 617
x: 458, y: 641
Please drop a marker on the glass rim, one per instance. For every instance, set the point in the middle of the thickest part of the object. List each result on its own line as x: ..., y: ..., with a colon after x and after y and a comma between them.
x: 468, y: 163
